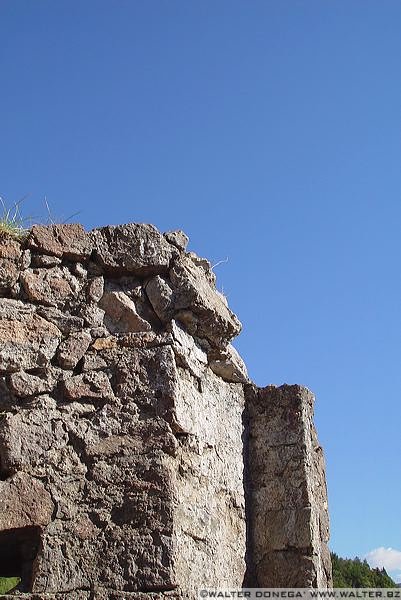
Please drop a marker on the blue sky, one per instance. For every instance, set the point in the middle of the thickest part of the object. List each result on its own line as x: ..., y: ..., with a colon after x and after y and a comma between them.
x: 270, y: 132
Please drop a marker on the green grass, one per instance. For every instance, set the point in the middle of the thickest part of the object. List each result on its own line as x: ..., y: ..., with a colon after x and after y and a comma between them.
x: 8, y: 583
x: 11, y: 221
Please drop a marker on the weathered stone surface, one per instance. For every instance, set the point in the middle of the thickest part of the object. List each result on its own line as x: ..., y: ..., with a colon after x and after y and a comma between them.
x: 132, y: 248
x: 126, y: 461
x: 92, y: 362
x: 193, y: 292
x: 92, y: 314
x: 45, y: 260
x: 178, y: 238
x: 161, y: 297
x: 10, y: 248
x: 92, y: 385
x: 24, y: 502
x: 73, y: 349
x: 209, y: 527
x: 95, y: 289
x: 10, y: 256
x: 228, y: 365
x: 64, y: 321
x: 121, y: 313
x: 28, y: 341
x: 26, y: 384
x: 188, y: 353
x: 51, y: 287
x: 287, y: 491
x: 69, y: 240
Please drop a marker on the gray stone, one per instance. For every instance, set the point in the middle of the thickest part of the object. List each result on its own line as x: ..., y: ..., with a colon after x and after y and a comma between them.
x: 95, y: 289
x: 93, y: 362
x: 45, y: 260
x: 287, y: 491
x: 91, y: 385
x: 73, y: 349
x: 187, y: 351
x: 66, y: 322
x: 92, y: 314
x: 133, y: 248
x: 26, y: 384
x: 194, y: 292
x: 178, y: 238
x: 161, y: 297
x: 10, y: 256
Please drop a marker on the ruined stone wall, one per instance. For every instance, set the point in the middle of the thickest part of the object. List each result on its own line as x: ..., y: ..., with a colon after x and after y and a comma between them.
x: 136, y: 459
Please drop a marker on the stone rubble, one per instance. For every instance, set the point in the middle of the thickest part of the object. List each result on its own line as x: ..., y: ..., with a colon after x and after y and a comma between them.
x: 124, y: 413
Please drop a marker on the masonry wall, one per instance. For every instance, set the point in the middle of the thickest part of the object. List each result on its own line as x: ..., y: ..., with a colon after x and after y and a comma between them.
x: 134, y: 451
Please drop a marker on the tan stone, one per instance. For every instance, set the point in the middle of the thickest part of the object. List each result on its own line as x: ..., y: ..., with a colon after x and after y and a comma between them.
x: 229, y: 365
x: 104, y: 343
x: 121, y: 313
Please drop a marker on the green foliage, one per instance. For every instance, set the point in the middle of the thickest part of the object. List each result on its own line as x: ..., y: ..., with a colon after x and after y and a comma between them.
x: 8, y: 583
x: 354, y: 573
x: 11, y: 221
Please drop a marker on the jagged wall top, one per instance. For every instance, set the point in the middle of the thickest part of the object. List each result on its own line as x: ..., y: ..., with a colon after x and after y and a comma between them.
x: 118, y: 280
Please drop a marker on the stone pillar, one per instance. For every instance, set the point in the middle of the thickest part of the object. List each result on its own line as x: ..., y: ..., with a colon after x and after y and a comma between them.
x: 288, y: 526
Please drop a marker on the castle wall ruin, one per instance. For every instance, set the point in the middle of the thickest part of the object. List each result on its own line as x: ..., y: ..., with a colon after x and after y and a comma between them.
x: 137, y: 460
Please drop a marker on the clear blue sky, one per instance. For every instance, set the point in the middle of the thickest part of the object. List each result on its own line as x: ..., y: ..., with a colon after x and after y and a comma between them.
x: 270, y: 132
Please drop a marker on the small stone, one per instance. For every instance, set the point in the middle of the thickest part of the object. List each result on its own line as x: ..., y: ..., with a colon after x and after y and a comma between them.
x: 161, y: 297
x: 65, y: 322
x: 10, y: 248
x: 51, y: 287
x: 189, y: 354
x: 92, y: 314
x: 95, y: 289
x: 44, y: 260
x: 10, y: 255
x: 122, y: 315
x: 68, y: 240
x: 79, y: 271
x: 99, y: 332
x: 105, y: 343
x: 73, y: 348
x: 93, y: 362
x: 178, y: 238
x: 26, y: 259
x: 195, y: 292
x: 228, y: 365
x: 26, y: 384
x: 93, y: 385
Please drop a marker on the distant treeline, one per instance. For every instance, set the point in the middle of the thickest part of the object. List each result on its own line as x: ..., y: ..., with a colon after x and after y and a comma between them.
x: 355, y: 573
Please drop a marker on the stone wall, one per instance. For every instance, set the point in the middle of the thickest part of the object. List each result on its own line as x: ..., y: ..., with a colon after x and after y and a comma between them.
x: 136, y: 459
